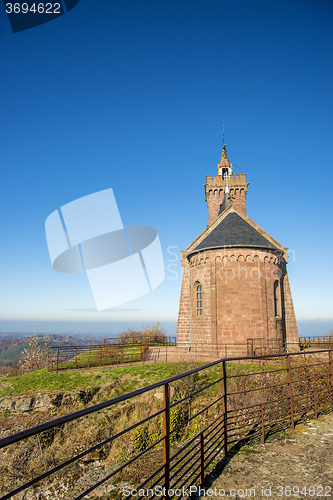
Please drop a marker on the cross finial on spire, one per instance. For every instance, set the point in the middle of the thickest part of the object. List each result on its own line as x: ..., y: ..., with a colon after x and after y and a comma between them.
x: 224, y: 167
x: 224, y: 146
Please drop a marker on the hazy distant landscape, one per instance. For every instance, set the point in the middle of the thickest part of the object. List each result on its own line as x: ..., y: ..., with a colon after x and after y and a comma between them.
x: 306, y: 328
x: 13, y: 344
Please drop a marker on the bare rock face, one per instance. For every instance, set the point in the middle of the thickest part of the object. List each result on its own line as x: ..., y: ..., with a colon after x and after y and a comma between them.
x: 23, y: 404
x: 45, y: 401
x: 42, y: 402
x: 7, y: 404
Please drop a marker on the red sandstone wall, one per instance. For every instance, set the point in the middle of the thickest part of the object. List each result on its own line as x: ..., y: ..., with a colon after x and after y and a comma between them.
x: 291, y: 325
x: 215, y: 189
x: 183, y: 325
x: 238, y: 287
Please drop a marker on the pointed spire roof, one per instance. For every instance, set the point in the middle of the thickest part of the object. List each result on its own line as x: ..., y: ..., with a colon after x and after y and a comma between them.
x: 224, y: 156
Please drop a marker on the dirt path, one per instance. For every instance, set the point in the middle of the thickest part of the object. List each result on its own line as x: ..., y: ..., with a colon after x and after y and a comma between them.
x: 298, y: 465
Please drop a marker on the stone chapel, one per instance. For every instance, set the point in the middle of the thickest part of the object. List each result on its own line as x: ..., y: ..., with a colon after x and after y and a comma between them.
x: 235, y: 290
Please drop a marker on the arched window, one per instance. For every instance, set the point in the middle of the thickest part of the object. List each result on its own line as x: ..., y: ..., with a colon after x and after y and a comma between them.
x: 199, y: 299
x: 276, y: 299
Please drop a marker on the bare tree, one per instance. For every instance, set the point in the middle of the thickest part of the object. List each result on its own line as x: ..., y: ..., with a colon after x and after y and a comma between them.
x: 33, y: 358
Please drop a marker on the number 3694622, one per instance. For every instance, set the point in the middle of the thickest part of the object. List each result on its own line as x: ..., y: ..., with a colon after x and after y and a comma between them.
x: 35, y: 8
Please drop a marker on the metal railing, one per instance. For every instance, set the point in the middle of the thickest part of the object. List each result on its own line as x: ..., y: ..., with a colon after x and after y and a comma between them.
x: 195, y: 419
x: 111, y: 352
x: 152, y: 339
x: 320, y: 342
x: 261, y: 346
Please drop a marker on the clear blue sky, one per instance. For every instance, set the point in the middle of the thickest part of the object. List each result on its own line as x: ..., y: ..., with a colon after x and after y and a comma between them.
x: 131, y: 94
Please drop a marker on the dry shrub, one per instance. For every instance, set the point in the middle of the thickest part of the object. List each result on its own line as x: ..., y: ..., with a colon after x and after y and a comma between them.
x: 154, y: 333
x: 31, y: 457
x: 311, y: 384
x: 267, y: 394
x: 33, y: 358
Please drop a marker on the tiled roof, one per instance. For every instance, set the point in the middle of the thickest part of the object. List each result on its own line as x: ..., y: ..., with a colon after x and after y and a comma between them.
x: 234, y: 231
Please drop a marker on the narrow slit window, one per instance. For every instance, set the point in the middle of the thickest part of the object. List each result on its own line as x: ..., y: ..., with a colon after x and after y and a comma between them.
x: 276, y: 299
x: 199, y: 300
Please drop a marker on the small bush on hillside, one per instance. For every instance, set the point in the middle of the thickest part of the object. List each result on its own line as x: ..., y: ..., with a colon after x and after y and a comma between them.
x: 33, y: 358
x: 154, y: 333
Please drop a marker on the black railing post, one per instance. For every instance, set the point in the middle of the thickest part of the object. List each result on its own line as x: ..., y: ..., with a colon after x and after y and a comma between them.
x: 57, y: 360
x: 315, y: 409
x: 202, y: 460
x: 224, y: 409
x: 166, y: 440
x: 262, y: 424
x: 290, y: 394
x: 330, y: 367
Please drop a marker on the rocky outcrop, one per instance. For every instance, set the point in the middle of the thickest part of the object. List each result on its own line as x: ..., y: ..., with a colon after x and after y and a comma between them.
x: 45, y: 401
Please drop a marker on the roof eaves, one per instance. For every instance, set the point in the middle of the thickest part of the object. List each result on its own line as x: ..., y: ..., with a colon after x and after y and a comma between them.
x: 256, y: 247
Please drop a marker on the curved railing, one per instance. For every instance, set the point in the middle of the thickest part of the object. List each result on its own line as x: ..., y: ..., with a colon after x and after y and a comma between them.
x: 197, y: 417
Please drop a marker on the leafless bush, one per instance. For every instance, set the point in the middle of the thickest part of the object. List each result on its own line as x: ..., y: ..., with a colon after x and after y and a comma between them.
x: 33, y: 358
x: 154, y: 333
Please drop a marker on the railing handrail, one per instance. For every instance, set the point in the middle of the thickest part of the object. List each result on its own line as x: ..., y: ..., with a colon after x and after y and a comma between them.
x: 105, y: 404
x: 106, y: 345
x: 226, y: 423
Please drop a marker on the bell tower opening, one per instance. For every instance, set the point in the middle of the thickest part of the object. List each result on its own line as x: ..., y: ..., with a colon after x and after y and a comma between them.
x: 224, y: 171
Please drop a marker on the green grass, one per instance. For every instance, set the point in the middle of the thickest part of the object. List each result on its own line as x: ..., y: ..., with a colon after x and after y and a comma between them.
x: 104, y: 356
x: 126, y: 379
x: 84, y: 360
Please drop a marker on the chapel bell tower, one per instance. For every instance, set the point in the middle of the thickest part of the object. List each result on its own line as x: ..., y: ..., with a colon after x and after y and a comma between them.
x: 235, y: 289
x: 218, y: 186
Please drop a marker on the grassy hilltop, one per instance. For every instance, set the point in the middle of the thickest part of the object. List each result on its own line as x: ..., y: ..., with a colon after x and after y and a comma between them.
x: 124, y: 379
